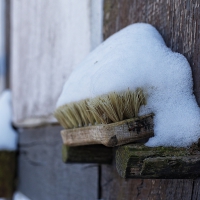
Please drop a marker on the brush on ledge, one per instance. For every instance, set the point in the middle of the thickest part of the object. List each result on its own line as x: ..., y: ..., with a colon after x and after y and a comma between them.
x: 93, y: 114
x: 110, y: 119
x: 95, y: 110
x: 104, y: 109
x: 103, y: 101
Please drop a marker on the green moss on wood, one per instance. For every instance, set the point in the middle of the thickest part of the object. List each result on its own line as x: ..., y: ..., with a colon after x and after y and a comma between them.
x: 139, y: 161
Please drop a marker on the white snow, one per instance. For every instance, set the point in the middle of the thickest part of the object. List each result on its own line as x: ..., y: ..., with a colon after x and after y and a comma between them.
x: 18, y: 196
x: 138, y: 57
x: 8, y: 136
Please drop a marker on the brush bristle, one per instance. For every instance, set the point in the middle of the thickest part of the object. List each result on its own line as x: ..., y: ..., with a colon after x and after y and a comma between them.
x: 103, y: 109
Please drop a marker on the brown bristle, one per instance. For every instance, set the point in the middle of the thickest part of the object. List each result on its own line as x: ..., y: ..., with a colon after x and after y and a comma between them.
x: 103, y: 109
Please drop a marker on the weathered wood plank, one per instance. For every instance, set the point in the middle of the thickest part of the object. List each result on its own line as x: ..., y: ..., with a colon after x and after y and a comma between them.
x: 177, y: 21
x: 114, y: 187
x: 110, y: 135
x: 139, y: 161
x: 43, y: 175
x: 196, y: 189
x: 87, y: 154
x: 49, y: 38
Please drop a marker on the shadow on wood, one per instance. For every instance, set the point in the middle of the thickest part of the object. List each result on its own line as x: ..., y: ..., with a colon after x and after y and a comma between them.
x: 87, y: 154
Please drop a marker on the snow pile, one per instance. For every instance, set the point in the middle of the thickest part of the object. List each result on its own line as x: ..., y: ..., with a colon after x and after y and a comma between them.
x: 138, y: 57
x: 20, y: 196
x: 8, y: 136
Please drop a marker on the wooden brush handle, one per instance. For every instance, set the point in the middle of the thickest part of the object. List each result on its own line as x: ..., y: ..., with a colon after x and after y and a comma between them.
x: 110, y: 135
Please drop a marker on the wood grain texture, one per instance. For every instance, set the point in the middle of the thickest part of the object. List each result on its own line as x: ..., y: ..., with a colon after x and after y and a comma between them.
x: 48, y: 39
x: 196, y: 189
x: 110, y: 135
x: 139, y: 161
x: 177, y: 21
x: 43, y: 176
x: 116, y: 188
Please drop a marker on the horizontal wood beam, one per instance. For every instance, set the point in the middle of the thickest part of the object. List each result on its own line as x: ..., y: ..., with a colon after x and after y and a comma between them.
x: 87, y: 154
x: 139, y: 161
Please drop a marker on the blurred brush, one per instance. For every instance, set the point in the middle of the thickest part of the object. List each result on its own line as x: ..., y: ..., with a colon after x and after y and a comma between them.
x: 104, y: 109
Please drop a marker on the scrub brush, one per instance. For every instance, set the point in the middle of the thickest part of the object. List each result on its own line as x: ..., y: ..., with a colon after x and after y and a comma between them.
x: 110, y: 120
x: 104, y: 109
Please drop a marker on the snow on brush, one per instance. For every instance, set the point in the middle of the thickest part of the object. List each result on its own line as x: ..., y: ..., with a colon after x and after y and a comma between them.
x: 136, y: 57
x: 8, y: 136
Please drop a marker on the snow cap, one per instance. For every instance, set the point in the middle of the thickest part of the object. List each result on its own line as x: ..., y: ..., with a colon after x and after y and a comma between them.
x: 136, y: 57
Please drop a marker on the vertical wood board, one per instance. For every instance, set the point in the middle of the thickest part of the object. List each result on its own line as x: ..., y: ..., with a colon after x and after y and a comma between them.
x: 177, y: 21
x: 42, y: 173
x: 179, y: 24
x: 48, y: 39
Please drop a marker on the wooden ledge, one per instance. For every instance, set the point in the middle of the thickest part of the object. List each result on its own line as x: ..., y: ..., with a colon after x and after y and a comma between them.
x: 110, y: 135
x: 87, y: 154
x: 139, y: 161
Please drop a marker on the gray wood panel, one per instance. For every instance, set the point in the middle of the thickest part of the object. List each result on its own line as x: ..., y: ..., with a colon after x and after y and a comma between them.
x: 43, y: 176
x: 196, y: 190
